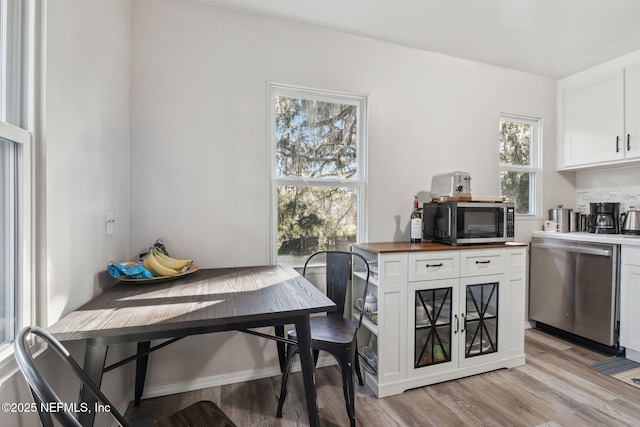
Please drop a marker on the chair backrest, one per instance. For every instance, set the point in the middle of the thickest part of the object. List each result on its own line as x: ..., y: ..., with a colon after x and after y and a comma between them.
x: 43, y: 394
x: 339, y: 265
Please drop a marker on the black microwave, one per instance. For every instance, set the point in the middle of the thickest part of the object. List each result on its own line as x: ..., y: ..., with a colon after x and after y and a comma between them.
x: 465, y: 223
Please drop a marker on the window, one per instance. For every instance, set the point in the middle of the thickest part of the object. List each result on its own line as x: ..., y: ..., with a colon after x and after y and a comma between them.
x: 318, y: 171
x: 17, y: 34
x: 520, y: 162
x: 14, y: 230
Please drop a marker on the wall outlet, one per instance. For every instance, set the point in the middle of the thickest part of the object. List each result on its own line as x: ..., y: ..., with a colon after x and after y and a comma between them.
x: 110, y: 221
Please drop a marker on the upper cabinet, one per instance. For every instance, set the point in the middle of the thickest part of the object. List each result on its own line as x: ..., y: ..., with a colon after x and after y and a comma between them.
x: 632, y: 112
x: 600, y: 120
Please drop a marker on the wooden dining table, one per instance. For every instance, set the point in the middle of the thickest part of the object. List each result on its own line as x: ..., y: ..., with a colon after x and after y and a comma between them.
x: 205, y: 301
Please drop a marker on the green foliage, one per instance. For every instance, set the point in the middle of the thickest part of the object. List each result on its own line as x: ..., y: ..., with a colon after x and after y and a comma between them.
x: 315, y: 139
x: 515, y: 186
x: 515, y: 150
x: 515, y: 144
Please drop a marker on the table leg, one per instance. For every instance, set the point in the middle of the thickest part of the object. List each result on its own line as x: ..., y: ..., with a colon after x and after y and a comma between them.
x: 141, y: 371
x: 94, y: 359
x: 306, y: 360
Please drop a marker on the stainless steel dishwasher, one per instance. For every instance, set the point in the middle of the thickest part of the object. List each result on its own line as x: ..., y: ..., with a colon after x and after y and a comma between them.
x: 573, y: 287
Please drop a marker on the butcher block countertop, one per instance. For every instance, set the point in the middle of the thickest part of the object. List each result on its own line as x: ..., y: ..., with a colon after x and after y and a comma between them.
x: 384, y: 247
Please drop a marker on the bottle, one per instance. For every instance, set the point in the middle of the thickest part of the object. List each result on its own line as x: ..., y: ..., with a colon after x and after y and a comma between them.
x: 416, y: 222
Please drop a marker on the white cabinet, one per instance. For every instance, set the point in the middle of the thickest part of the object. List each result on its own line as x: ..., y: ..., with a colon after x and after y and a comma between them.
x: 631, y: 144
x: 388, y: 284
x: 600, y: 120
x: 452, y: 314
x: 593, y: 120
x: 629, y: 300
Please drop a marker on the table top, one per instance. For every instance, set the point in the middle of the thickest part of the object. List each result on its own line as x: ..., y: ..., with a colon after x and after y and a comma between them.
x: 208, y: 298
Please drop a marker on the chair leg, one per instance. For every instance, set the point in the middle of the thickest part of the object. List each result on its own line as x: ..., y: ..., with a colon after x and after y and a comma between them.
x: 347, y: 383
x: 356, y: 364
x: 291, y: 351
x: 45, y: 417
x: 316, y: 355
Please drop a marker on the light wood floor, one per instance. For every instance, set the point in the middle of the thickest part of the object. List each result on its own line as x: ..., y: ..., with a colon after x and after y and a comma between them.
x: 554, y: 388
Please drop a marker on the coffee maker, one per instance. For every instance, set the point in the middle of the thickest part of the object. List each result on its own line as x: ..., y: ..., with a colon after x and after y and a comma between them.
x: 604, y: 218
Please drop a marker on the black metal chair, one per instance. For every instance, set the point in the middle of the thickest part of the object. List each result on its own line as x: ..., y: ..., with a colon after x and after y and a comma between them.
x: 200, y: 414
x: 333, y: 333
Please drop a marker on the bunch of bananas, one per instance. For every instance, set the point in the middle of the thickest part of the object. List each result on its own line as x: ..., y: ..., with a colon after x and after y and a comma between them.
x: 162, y: 265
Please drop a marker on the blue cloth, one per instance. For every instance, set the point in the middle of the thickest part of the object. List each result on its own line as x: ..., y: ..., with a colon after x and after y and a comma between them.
x: 132, y: 270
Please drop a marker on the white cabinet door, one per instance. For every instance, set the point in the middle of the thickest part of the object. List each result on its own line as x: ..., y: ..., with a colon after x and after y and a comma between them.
x: 593, y: 120
x: 631, y: 144
x: 629, y: 301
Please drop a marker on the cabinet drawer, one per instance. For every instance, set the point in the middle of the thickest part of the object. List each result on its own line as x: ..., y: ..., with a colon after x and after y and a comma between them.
x: 516, y: 260
x: 630, y: 255
x: 392, y: 268
x: 433, y: 265
x: 481, y: 262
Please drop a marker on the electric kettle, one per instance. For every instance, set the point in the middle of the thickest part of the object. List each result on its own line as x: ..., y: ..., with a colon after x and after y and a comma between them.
x: 631, y: 222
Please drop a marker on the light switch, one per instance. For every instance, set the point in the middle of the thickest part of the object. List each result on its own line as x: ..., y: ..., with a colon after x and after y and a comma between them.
x: 110, y: 221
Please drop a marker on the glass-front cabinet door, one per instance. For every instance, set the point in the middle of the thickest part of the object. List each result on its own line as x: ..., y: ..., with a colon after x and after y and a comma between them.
x: 481, y: 319
x: 482, y: 325
x: 433, y: 330
x: 433, y: 319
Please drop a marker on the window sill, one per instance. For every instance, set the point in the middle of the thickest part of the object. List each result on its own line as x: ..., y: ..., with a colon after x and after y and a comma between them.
x: 9, y: 365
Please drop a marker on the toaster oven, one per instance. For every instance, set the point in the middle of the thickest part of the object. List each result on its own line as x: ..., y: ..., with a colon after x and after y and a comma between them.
x: 451, y: 184
x: 465, y: 223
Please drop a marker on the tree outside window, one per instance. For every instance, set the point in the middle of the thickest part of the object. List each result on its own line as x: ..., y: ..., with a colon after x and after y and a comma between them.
x: 519, y: 162
x: 318, y: 170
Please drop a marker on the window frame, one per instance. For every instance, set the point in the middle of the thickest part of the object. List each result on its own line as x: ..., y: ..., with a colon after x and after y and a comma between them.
x: 11, y: 48
x: 535, y: 167
x: 21, y: 41
x: 358, y: 182
x: 21, y: 208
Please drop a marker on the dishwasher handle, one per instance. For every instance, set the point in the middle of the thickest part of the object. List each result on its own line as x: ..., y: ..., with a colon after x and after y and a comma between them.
x: 576, y: 249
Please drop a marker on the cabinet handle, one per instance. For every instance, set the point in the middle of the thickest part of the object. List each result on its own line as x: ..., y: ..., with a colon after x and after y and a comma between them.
x: 628, y: 142
x: 617, y: 144
x: 483, y: 262
x: 457, y: 324
x: 464, y: 322
x: 434, y: 265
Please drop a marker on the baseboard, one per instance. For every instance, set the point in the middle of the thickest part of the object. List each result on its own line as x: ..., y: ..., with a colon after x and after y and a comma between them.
x: 122, y: 407
x: 224, y: 379
x: 529, y: 324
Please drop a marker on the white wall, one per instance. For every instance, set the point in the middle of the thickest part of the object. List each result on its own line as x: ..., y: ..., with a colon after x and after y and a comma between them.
x: 87, y: 171
x: 87, y: 132
x: 87, y: 143
x: 200, y: 146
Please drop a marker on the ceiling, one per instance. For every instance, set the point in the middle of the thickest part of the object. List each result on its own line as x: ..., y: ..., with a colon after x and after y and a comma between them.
x: 553, y: 38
